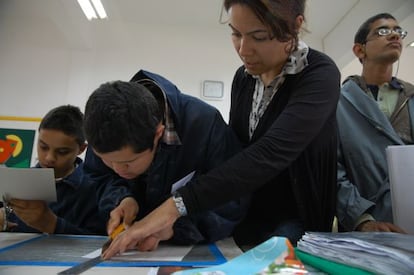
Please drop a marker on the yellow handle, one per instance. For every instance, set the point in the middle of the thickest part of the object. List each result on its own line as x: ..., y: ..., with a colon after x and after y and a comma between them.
x: 117, y: 230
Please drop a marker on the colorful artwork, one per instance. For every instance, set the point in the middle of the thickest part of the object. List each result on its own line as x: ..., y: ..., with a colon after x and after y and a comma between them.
x: 274, y: 256
x: 16, y: 147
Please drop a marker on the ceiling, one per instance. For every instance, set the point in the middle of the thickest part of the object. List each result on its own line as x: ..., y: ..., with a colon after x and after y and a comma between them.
x: 331, y: 23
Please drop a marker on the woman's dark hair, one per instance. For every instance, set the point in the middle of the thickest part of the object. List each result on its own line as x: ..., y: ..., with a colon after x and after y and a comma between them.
x: 279, y: 15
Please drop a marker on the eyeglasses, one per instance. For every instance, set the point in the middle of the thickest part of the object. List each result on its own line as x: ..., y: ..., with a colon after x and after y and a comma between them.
x: 387, y: 31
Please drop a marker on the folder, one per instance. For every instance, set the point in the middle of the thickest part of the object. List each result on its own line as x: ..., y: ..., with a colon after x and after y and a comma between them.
x: 400, y: 160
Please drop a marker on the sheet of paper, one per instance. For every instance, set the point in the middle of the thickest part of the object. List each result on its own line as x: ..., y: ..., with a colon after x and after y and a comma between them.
x: 28, y: 183
x: 401, y: 173
x: 182, y: 182
x: 377, y: 252
x: 163, y: 253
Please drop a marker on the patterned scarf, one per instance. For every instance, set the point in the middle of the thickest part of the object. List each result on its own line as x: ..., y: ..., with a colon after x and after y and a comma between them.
x: 262, y: 95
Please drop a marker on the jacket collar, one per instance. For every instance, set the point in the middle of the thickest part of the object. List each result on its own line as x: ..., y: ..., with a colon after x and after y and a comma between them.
x: 368, y: 108
x: 170, y: 95
x: 395, y: 83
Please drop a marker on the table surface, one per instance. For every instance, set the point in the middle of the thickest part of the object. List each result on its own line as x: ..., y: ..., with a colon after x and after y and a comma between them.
x: 227, y: 247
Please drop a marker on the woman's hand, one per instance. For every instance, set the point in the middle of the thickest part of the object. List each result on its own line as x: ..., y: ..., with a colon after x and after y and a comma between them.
x: 145, y: 234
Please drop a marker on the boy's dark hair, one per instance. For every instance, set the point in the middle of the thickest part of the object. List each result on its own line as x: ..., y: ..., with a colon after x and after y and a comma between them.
x: 65, y: 118
x: 365, y: 28
x: 120, y: 114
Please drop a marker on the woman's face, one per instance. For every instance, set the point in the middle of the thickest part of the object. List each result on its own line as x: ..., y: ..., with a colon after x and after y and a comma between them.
x: 253, y: 41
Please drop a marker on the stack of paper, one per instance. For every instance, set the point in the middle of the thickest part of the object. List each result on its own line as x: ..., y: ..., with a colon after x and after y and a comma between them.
x: 377, y: 252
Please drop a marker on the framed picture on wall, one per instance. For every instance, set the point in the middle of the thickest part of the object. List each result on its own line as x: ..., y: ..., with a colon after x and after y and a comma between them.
x: 17, y: 140
x: 16, y: 146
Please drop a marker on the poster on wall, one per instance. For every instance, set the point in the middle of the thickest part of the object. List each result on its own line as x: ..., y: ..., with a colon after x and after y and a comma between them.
x: 16, y: 146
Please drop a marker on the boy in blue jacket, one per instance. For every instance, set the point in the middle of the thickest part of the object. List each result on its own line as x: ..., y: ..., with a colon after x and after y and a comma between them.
x: 79, y: 208
x: 148, y: 133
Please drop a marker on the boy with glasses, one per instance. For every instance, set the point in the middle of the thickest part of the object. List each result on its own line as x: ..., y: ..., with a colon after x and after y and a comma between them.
x: 375, y: 110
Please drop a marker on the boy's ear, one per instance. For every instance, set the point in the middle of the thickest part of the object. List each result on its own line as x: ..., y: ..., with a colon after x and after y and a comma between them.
x: 158, y: 133
x: 359, y: 50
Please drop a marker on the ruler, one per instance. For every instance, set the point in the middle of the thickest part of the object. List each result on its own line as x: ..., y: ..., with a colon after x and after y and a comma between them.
x: 78, y: 269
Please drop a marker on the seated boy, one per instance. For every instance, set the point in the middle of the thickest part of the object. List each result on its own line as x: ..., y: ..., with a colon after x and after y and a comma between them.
x: 77, y: 210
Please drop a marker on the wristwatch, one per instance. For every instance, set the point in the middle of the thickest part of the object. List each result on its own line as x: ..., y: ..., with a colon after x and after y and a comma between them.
x: 179, y: 203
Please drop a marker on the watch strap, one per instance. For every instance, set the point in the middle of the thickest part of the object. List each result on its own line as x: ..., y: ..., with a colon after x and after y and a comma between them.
x: 179, y: 203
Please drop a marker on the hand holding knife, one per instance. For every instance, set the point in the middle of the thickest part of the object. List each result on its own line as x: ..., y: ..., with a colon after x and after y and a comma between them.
x: 120, y: 228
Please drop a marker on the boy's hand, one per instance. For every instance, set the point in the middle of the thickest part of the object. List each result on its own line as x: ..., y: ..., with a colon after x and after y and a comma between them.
x: 377, y: 226
x: 35, y: 213
x: 124, y: 213
x: 146, y: 233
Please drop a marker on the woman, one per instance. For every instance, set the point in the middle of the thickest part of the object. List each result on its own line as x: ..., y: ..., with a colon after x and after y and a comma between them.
x: 283, y: 107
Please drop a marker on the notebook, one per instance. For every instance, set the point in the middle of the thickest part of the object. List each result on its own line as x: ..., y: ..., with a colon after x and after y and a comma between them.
x: 401, y: 173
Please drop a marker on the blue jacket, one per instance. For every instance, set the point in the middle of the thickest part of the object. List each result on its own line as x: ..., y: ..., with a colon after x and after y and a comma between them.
x: 76, y: 207
x: 364, y: 134
x: 206, y: 141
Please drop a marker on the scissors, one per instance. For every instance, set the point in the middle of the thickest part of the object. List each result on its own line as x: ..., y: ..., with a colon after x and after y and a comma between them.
x: 7, y: 211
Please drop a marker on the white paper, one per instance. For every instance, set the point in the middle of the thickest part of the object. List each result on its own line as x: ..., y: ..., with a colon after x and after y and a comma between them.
x: 163, y: 253
x: 28, y: 183
x: 182, y: 182
x: 401, y: 173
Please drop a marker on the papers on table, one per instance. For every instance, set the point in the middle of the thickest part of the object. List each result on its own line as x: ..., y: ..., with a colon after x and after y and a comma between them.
x: 164, y: 252
x: 378, y: 252
x: 59, y: 249
x: 182, y: 182
x: 400, y: 160
x: 28, y: 183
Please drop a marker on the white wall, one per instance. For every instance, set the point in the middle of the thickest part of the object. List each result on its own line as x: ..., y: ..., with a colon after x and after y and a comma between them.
x: 40, y: 72
x: 51, y: 59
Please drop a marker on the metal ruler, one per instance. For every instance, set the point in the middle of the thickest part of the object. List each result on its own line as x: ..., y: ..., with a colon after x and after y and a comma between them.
x: 78, y: 269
